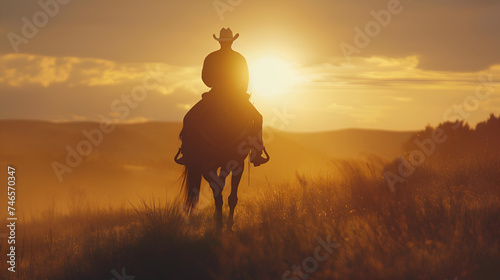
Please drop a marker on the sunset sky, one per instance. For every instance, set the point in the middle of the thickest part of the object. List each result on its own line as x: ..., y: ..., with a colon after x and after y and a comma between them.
x: 416, y: 62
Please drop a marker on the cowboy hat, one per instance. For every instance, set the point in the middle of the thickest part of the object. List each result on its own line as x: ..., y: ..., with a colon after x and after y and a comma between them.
x: 226, y: 35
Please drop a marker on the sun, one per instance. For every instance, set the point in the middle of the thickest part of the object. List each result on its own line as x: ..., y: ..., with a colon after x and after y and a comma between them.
x: 271, y: 76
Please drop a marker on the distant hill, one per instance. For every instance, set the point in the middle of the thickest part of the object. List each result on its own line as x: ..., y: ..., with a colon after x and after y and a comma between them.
x: 138, y: 159
x: 349, y: 143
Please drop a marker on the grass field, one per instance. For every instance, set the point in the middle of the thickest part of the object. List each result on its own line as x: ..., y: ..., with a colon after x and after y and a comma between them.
x: 431, y: 227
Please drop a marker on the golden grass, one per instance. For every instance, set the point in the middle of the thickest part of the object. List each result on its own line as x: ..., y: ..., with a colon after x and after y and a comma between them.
x: 443, y: 223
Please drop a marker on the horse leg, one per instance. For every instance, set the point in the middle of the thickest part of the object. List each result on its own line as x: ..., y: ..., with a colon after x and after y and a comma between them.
x: 217, y: 183
x: 233, y: 197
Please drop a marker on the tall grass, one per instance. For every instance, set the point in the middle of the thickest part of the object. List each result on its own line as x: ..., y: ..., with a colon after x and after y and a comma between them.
x: 442, y: 223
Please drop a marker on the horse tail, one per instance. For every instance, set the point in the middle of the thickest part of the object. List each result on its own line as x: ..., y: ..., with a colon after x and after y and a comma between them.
x: 191, y: 187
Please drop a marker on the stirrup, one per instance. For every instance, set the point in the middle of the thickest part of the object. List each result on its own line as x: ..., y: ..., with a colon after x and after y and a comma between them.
x: 182, y: 160
x: 258, y: 160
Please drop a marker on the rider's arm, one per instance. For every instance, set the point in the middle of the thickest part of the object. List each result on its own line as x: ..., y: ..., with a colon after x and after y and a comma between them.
x: 207, y: 72
x: 245, y: 75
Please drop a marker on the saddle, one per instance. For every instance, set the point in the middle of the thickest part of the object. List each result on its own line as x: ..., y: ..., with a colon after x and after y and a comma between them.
x: 215, y: 127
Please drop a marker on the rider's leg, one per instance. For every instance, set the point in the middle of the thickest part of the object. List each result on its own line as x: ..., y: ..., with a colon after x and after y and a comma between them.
x: 257, y: 144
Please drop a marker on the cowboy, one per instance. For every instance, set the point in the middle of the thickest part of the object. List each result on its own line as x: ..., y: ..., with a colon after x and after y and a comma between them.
x: 226, y: 73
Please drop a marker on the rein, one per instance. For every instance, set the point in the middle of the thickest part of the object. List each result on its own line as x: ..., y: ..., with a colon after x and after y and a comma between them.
x: 249, y: 166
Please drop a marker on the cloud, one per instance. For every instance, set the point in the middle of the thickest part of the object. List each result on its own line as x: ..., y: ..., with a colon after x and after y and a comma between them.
x: 403, y: 99
x: 24, y: 70
x: 17, y: 70
x: 184, y: 107
x: 446, y: 35
x: 134, y: 120
x: 382, y: 72
x: 340, y: 108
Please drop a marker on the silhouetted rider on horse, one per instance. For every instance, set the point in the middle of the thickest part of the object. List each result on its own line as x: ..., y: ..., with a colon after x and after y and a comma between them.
x: 226, y: 73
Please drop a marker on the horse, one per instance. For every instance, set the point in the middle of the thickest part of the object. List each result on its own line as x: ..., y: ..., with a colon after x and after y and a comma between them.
x: 216, y: 138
